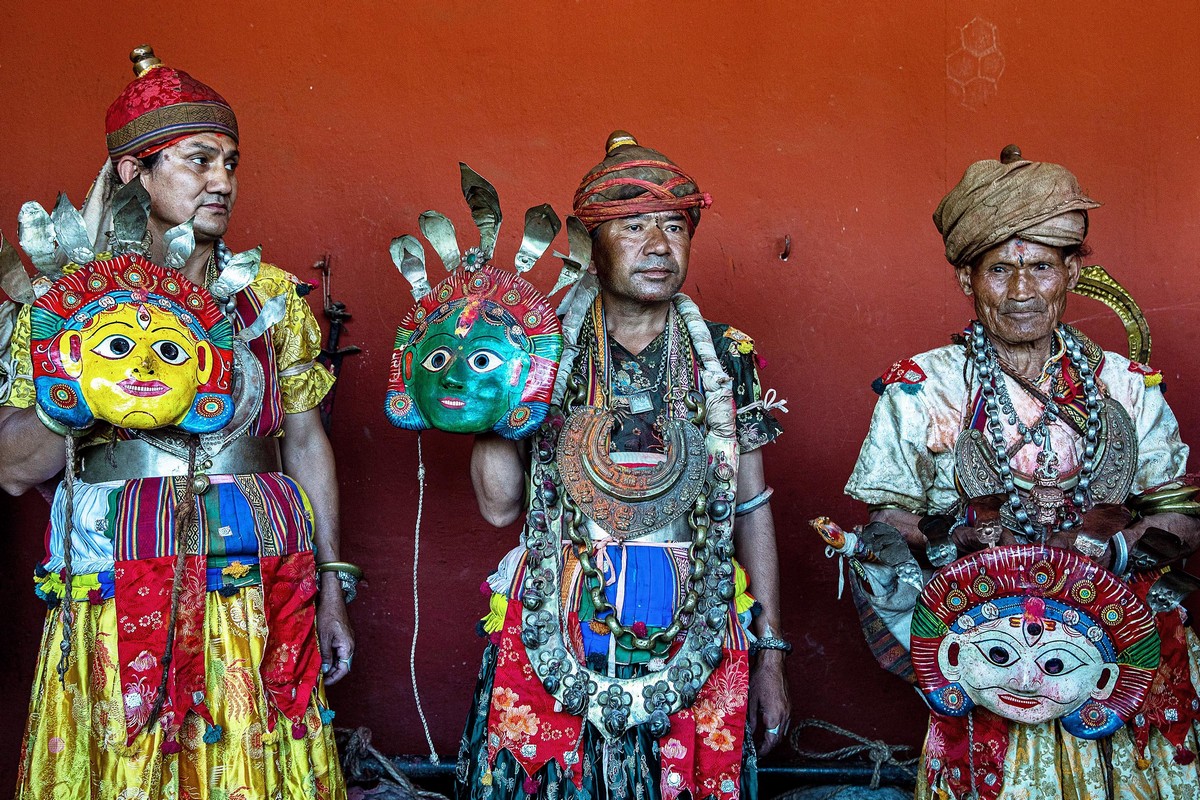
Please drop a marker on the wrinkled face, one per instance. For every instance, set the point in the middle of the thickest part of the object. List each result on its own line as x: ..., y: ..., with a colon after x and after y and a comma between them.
x: 466, y: 372
x: 1020, y: 289
x: 137, y: 365
x: 644, y: 258
x: 195, y: 176
x: 1027, y: 669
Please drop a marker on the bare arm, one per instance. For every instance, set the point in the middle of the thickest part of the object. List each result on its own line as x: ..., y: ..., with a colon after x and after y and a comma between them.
x: 29, y: 452
x: 308, y: 460
x: 498, y: 475
x: 754, y: 543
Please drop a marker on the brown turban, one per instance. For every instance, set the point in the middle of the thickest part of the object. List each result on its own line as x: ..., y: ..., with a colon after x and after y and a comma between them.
x: 997, y: 200
x: 634, y: 180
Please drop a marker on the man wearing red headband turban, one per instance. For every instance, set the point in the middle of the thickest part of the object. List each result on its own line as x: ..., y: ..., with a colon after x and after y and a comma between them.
x: 631, y: 657
x: 208, y: 679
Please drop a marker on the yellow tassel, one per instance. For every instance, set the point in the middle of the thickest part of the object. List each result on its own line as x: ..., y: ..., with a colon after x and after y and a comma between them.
x: 598, y: 627
x: 236, y: 569
x: 1152, y: 380
x: 486, y: 778
x: 742, y: 600
x: 1143, y: 763
x: 498, y: 606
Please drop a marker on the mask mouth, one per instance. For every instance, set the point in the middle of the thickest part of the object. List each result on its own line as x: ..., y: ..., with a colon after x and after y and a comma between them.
x: 454, y: 403
x: 138, y: 388
x: 1019, y: 701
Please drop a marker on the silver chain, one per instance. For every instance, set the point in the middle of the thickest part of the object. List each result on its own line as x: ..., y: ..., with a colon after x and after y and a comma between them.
x: 996, y: 398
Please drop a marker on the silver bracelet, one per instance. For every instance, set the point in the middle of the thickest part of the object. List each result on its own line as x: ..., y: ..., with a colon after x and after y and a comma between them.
x: 1120, y: 553
x: 760, y: 499
x: 769, y: 643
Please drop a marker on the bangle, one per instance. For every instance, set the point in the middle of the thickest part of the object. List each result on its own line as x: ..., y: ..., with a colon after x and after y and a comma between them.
x: 1120, y: 553
x: 769, y: 643
x: 760, y: 499
x: 941, y: 553
x: 348, y: 576
x: 60, y: 428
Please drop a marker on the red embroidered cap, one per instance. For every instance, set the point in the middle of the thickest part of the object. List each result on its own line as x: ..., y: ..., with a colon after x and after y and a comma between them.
x: 161, y: 106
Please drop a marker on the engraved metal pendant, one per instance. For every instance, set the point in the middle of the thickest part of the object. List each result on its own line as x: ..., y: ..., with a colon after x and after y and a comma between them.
x: 629, y: 501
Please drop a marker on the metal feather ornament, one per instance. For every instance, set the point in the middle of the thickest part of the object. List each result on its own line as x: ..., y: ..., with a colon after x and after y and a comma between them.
x: 131, y: 214
x: 179, y: 243
x: 409, y: 257
x: 575, y: 264
x: 35, y: 232
x: 541, y: 226
x: 484, y: 203
x: 440, y: 232
x: 271, y: 312
x: 13, y: 280
x: 70, y: 233
x: 239, y: 273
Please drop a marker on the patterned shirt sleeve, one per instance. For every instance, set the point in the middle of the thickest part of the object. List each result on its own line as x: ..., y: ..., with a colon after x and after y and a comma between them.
x: 20, y: 364
x: 895, y: 466
x: 756, y: 425
x: 303, y: 383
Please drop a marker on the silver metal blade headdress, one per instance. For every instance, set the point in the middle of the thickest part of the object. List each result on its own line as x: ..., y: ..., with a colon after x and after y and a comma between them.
x: 440, y: 232
x: 239, y: 273
x: 35, y: 232
x: 131, y: 215
x: 485, y: 209
x: 70, y: 234
x: 409, y: 257
x: 13, y: 280
x: 575, y: 264
x: 541, y: 226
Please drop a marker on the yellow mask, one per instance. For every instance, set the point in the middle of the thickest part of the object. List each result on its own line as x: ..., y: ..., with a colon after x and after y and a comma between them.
x: 137, y: 365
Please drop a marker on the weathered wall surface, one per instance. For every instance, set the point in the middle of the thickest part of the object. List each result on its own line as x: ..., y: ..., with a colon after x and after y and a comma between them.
x: 837, y: 124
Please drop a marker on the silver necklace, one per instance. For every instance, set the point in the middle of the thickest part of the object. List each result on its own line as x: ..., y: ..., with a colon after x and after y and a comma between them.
x: 1051, y: 509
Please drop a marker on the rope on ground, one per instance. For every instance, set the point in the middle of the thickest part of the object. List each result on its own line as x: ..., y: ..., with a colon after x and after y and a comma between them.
x: 877, y: 751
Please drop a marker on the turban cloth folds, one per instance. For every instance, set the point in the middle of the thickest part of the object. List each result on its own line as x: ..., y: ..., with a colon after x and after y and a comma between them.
x: 634, y: 180
x: 994, y: 201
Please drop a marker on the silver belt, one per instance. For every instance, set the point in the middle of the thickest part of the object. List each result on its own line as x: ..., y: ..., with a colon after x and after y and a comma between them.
x: 132, y: 459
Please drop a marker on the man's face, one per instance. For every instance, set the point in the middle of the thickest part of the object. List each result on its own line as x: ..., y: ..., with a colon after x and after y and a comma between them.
x: 464, y: 374
x: 137, y: 365
x: 1025, y: 669
x: 642, y: 258
x: 196, y: 176
x: 1020, y: 289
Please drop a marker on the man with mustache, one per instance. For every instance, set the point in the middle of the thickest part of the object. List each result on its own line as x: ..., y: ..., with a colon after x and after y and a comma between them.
x: 204, y: 680
x: 1025, y: 431
x: 660, y: 669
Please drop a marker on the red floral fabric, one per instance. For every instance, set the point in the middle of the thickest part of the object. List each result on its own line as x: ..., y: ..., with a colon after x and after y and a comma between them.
x: 291, y: 659
x: 158, y: 88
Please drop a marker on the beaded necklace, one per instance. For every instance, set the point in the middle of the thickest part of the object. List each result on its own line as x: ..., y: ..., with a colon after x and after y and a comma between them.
x: 1051, y: 511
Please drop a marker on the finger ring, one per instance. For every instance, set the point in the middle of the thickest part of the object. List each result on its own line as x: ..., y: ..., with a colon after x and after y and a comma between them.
x: 1090, y: 546
x: 346, y: 661
x: 774, y: 731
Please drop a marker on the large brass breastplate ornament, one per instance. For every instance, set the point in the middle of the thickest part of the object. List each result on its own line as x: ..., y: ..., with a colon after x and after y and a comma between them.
x: 575, y: 481
x: 628, y: 502
x: 978, y: 475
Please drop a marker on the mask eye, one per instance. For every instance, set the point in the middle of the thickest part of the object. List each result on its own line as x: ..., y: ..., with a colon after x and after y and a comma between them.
x: 114, y: 347
x: 998, y: 652
x: 170, y: 352
x: 437, y: 360
x: 484, y: 361
x: 1059, y: 662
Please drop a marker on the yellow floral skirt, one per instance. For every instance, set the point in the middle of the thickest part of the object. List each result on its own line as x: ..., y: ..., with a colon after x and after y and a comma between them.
x: 1044, y: 761
x: 74, y: 745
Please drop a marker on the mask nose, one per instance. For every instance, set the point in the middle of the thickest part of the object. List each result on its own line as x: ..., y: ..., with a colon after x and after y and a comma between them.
x: 454, y: 376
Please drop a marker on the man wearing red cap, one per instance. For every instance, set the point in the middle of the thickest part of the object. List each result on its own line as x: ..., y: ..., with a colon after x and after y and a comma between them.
x: 230, y: 700
x: 628, y: 657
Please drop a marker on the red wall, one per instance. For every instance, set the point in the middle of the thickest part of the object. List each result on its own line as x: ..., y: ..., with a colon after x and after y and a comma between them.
x: 839, y: 124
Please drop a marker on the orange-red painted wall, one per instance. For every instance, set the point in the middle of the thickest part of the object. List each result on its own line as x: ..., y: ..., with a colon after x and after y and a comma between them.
x: 837, y: 124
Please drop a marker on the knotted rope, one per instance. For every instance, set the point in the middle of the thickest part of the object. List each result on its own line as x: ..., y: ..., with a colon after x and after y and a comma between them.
x: 877, y: 751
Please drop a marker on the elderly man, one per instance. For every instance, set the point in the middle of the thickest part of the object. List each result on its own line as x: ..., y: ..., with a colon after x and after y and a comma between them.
x: 621, y: 626
x: 244, y: 633
x: 1021, y: 433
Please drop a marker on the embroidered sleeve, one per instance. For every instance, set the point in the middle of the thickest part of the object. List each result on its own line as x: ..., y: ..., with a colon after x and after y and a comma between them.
x: 1162, y: 455
x: 896, y: 465
x: 303, y: 383
x: 18, y: 364
x: 756, y: 425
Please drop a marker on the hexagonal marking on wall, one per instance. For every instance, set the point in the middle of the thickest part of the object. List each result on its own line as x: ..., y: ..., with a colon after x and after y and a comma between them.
x: 974, y: 67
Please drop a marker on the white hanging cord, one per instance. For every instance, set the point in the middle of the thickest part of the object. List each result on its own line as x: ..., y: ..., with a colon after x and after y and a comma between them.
x: 412, y: 655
